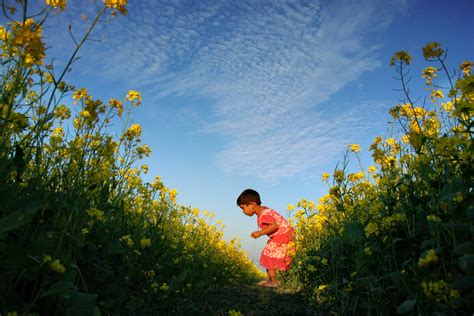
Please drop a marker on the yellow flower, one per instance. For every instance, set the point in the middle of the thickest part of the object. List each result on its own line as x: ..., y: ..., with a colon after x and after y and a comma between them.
x: 466, y: 67
x: 117, y: 5
x: 325, y: 176
x: 354, y: 177
x: 164, y: 287
x: 173, y: 193
x: 448, y: 107
x: 57, y: 266
x: 291, y: 207
x: 128, y: 239
x: 432, y: 50
x: 400, y: 56
x: 57, y: 3
x: 322, y: 287
x: 433, y: 218
x: 117, y: 104
x: 338, y: 175
x: 368, y: 251
x: 439, y: 291
x: 134, y: 96
x: 134, y: 131
x: 62, y: 112
x: 95, y: 213
x: 405, y: 138
x: 355, y: 148
x: 429, y: 258
x: 80, y: 94
x: 429, y: 73
x: 436, y: 94
x: 58, y: 132
x: 145, y: 243
x: 47, y: 258
x: 372, y: 169
x: 371, y: 229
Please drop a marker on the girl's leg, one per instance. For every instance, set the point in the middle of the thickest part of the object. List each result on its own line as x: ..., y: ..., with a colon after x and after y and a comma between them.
x: 272, y: 276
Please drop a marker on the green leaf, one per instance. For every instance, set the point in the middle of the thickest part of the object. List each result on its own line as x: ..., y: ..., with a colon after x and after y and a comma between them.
x: 77, y: 303
x: 470, y: 212
x: 406, y: 306
x: 362, y: 260
x: 353, y: 232
x: 466, y: 263
x: 465, y: 248
x: 464, y: 282
x: 19, y: 218
x: 400, y: 282
x: 427, y: 244
x: 61, y: 287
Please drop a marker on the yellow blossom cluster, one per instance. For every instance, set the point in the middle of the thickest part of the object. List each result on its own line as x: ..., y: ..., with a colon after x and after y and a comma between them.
x: 354, y: 148
x: 25, y: 41
x: 429, y: 258
x: 61, y: 4
x: 116, y: 5
x: 439, y: 291
x: 429, y: 73
x: 134, y: 131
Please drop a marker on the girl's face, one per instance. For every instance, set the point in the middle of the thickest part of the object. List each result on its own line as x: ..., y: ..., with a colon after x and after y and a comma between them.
x: 249, y: 209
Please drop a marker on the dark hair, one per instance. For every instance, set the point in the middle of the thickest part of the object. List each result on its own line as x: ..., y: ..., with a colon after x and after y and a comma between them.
x: 248, y: 196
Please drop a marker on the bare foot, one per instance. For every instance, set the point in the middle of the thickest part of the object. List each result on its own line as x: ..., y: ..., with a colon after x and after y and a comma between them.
x: 261, y: 283
x: 268, y: 283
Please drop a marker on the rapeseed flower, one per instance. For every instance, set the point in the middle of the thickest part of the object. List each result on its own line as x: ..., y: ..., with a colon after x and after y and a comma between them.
x: 145, y: 243
x: 127, y: 239
x: 134, y: 97
x: 466, y: 67
x: 57, y: 3
x: 429, y: 73
x: 134, y: 131
x: 97, y: 214
x: 429, y: 258
x: 371, y: 229
x: 80, y: 94
x: 433, y: 218
x: 116, y: 104
x: 57, y: 267
x: 355, y: 148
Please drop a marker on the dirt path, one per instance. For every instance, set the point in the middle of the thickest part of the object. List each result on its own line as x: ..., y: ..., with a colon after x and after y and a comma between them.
x: 253, y: 300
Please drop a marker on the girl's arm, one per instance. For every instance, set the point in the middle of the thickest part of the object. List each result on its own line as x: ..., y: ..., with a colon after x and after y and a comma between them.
x: 273, y: 227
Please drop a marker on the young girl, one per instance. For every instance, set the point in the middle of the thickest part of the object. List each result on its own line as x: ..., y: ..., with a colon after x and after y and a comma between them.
x: 274, y: 255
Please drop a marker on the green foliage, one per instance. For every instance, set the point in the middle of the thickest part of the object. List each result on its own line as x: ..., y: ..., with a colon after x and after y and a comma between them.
x: 398, y: 238
x: 80, y: 232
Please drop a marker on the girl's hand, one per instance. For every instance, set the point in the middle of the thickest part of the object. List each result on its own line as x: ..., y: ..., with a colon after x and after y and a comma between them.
x: 256, y: 234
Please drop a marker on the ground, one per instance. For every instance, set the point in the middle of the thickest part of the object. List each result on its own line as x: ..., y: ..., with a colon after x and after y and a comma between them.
x: 252, y: 300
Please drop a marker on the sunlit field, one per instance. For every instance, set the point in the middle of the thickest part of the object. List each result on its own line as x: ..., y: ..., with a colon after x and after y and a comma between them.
x: 398, y: 236
x: 81, y: 232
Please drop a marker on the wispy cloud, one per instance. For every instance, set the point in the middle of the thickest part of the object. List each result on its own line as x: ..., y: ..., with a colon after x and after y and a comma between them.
x: 271, y: 68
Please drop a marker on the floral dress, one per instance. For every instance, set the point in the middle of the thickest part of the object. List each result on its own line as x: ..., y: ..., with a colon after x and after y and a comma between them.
x: 275, y: 253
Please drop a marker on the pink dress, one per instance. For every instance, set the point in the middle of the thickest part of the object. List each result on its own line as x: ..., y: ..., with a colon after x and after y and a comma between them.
x: 275, y: 253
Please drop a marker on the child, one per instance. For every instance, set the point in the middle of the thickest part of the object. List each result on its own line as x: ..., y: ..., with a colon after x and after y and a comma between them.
x: 274, y: 255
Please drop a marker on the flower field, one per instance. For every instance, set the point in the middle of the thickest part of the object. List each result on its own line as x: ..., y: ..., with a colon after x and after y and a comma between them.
x: 397, y: 237
x: 80, y: 232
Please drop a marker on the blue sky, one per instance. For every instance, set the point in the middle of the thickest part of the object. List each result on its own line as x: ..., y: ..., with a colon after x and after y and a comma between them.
x: 258, y: 94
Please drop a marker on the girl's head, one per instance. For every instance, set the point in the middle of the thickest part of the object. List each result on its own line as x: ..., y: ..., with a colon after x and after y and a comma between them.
x: 249, y: 201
